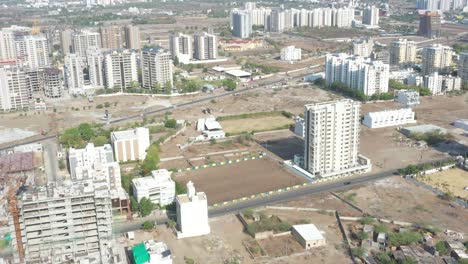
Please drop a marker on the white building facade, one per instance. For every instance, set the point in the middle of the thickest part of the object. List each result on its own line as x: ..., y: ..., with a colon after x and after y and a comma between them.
x: 407, y: 97
x: 205, y: 46
x: 14, y: 92
x: 181, y: 47
x: 130, y: 144
x: 371, y: 16
x: 242, y: 24
x: 157, y: 68
x: 192, y: 213
x: 389, y: 118
x: 436, y: 58
x: 120, y: 69
x: 402, y: 51
x: 159, y: 188
x: 291, y: 53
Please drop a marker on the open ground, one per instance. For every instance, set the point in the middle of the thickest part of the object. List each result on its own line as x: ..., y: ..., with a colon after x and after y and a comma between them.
x: 260, y: 124
x: 242, y: 179
x: 453, y: 180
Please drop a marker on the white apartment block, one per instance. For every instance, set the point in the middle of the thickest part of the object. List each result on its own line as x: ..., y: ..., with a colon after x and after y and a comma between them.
x: 291, y: 53
x: 157, y: 69
x: 53, y: 83
x: 463, y: 67
x: 95, y: 61
x: 370, y: 77
x: 8, y: 36
x: 120, y: 69
x: 363, y: 47
x: 332, y: 139
x: 33, y: 51
x: 371, y: 16
x: 132, y: 37
x: 112, y: 37
x: 436, y: 58
x: 441, y: 5
x: 14, y: 92
x: 389, y: 118
x: 159, y: 188
x: 241, y: 24
x: 181, y: 47
x: 73, y: 73
x: 84, y: 40
x: 59, y: 224
x: 205, y: 46
x: 407, y: 97
x: 402, y: 51
x: 130, y: 144
x: 440, y: 84
x: 192, y: 213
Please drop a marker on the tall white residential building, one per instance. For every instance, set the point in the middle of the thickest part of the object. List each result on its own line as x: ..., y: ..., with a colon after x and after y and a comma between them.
x: 181, y: 47
x: 402, y: 51
x: 73, y: 73
x: 436, y: 58
x: 112, y: 37
x: 33, y: 51
x: 84, y: 40
x: 332, y: 138
x: 14, y: 92
x: 66, y: 42
x: 53, y: 83
x: 370, y: 77
x: 440, y: 84
x: 120, y: 69
x: 291, y: 53
x: 277, y: 21
x: 8, y: 36
x: 157, y: 68
x: 363, y: 47
x: 371, y: 16
x: 250, y: 5
x: 159, y: 188
x: 389, y: 118
x: 95, y: 61
x: 62, y: 223
x: 205, y: 46
x: 242, y: 24
x: 463, y: 67
x: 192, y: 213
x: 259, y: 16
x: 130, y: 144
x: 132, y: 37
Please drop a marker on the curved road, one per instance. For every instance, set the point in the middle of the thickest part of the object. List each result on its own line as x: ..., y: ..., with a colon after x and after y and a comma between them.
x: 126, y: 226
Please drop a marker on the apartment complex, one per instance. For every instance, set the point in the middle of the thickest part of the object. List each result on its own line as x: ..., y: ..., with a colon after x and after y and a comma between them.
x: 73, y: 73
x: 192, y: 213
x: 120, y: 69
x: 84, y: 40
x: 291, y: 53
x: 436, y: 58
x: 332, y: 138
x: 53, y: 83
x: 156, y: 68
x: 159, y: 188
x: 205, y: 46
x: 364, y: 74
x: 389, y: 118
x: 181, y: 47
x: 130, y: 144
x: 32, y: 51
x: 363, y: 47
x: 112, y: 37
x: 463, y: 67
x: 440, y: 84
x: 371, y: 16
x: 66, y: 43
x: 132, y: 37
x: 241, y: 24
x: 96, y: 70
x: 8, y: 37
x: 429, y: 24
x: 402, y: 52
x: 60, y: 224
x: 14, y: 92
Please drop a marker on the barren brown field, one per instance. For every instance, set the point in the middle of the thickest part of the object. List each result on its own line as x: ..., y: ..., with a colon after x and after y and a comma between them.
x: 237, y: 180
x: 453, y: 180
x: 261, y: 124
x: 397, y: 199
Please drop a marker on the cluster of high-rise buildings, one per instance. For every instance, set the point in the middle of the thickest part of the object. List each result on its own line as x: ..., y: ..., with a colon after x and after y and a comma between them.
x: 441, y: 5
x: 364, y: 74
x: 279, y: 20
x: 200, y: 46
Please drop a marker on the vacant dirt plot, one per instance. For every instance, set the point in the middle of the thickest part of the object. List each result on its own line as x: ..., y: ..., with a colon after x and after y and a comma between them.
x: 237, y: 180
x: 281, y: 246
x: 260, y: 124
x: 397, y: 199
x: 454, y: 180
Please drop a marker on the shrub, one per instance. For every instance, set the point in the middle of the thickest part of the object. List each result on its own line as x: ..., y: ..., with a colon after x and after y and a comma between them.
x: 362, y: 236
x: 366, y: 220
x: 148, y: 225
x: 170, y: 123
x: 248, y: 213
x: 406, y: 238
x: 441, y: 247
x: 380, y: 228
x: 358, y: 252
x: 99, y: 106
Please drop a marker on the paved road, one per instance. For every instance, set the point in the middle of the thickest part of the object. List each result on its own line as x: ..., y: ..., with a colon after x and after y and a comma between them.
x: 50, y: 160
x: 28, y: 142
x: 125, y: 226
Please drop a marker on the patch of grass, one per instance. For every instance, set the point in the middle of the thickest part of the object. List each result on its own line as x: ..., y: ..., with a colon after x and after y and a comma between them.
x: 351, y: 197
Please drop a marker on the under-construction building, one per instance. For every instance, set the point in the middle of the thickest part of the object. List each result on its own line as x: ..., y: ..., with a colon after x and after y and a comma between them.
x: 63, y: 224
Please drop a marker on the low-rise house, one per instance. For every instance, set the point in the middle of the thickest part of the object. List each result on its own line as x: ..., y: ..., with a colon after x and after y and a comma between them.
x: 159, y: 188
x: 130, y: 144
x: 308, y: 236
x: 210, y: 128
x: 389, y: 118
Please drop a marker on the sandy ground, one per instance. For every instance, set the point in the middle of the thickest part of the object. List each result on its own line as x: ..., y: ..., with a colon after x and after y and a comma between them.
x: 237, y: 180
x: 398, y: 199
x: 454, y: 180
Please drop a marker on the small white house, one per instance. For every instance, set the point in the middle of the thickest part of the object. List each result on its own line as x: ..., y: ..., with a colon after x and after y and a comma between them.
x: 159, y: 187
x: 291, y: 53
x: 210, y: 128
x: 389, y: 118
x: 308, y: 236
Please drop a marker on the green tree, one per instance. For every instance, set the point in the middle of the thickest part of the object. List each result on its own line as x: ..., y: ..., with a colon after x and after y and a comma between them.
x: 320, y: 82
x: 380, y: 228
x: 229, y: 84
x: 170, y: 123
x: 358, y: 252
x: 126, y: 180
x: 72, y: 138
x: 100, y: 141
x: 171, y: 224
x: 146, y: 207
x: 442, y: 248
x: 86, y: 131
x: 366, y: 220
x: 61, y: 164
x: 176, y: 61
x: 362, y: 236
x: 384, y: 258
x: 406, y: 238
x: 151, y: 161
x: 134, y: 206
x: 148, y: 225
x: 180, y: 188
